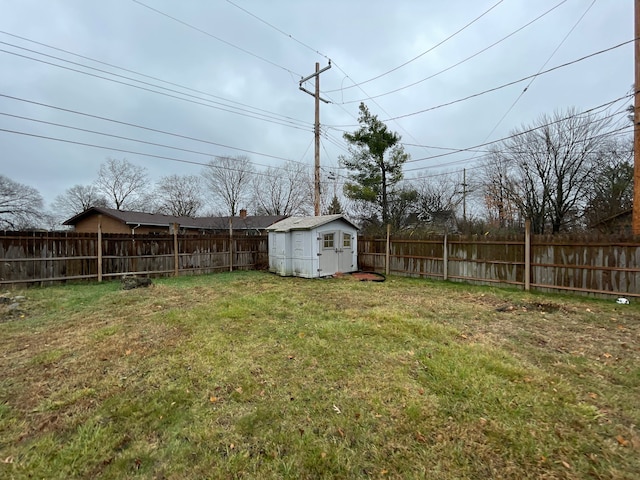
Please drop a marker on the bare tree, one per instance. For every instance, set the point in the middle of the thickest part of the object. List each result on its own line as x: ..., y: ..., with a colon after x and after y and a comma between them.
x: 181, y: 196
x: 229, y: 181
x: 21, y: 206
x: 123, y: 183
x: 496, y: 188
x: 548, y: 167
x: 438, y: 199
x: 77, y: 199
x: 282, y: 191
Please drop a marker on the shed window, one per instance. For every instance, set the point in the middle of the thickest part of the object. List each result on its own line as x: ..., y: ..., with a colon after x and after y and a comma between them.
x: 346, y: 240
x: 328, y: 240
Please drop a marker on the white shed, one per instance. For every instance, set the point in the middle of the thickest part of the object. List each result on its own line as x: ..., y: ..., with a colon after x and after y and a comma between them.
x: 313, y: 247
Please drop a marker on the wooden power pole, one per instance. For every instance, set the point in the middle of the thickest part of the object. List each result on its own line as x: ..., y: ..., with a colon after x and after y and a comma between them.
x: 636, y: 125
x: 316, y: 95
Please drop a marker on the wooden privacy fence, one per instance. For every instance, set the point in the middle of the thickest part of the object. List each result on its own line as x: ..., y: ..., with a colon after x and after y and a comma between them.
x: 600, y: 266
x: 43, y: 257
x: 573, y: 264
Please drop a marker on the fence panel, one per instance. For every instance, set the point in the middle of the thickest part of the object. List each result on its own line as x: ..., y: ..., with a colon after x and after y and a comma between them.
x: 48, y: 257
x: 593, y: 266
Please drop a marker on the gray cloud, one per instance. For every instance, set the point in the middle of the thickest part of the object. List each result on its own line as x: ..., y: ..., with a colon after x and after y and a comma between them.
x: 257, y: 66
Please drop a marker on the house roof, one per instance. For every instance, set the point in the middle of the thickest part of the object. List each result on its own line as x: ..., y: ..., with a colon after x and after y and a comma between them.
x: 306, y: 223
x: 159, y: 220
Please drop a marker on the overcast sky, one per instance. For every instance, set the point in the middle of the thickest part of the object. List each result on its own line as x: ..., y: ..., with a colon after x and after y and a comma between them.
x: 227, y: 73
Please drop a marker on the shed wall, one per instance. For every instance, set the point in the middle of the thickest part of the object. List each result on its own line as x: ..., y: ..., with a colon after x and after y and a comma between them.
x: 297, y: 252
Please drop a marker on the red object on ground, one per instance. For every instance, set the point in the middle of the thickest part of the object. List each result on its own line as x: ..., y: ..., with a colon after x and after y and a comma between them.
x: 368, y: 276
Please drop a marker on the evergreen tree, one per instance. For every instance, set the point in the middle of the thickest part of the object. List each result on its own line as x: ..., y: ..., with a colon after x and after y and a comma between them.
x: 375, y: 160
x: 334, y: 207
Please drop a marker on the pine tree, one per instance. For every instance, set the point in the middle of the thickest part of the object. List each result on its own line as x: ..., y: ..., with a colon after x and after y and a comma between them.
x: 376, y: 159
x: 334, y: 207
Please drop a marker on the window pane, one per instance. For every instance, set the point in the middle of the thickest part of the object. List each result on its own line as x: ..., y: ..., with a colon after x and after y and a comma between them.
x: 328, y: 240
x: 346, y: 240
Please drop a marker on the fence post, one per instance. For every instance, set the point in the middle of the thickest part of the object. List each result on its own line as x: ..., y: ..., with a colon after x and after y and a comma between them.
x: 230, y: 244
x: 445, y: 258
x: 99, y: 248
x: 176, y: 266
x: 387, y: 267
x: 527, y: 255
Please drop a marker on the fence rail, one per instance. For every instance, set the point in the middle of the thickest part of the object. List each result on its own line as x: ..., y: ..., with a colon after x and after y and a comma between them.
x: 46, y: 257
x: 601, y: 266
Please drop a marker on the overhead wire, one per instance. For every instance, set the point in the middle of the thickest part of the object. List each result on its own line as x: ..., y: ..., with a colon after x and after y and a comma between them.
x: 523, y: 132
x: 471, y: 149
x: 461, y: 61
x: 526, y: 88
x: 151, y: 77
x: 442, y: 42
x: 120, y: 137
x: 499, y: 87
x: 122, y: 150
x: 488, y: 155
x: 325, y: 93
x: 193, y: 27
x: 150, y: 129
x: 203, y: 102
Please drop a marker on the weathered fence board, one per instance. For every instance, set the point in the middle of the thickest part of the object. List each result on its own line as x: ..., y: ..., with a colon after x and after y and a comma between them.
x: 601, y: 266
x: 45, y: 257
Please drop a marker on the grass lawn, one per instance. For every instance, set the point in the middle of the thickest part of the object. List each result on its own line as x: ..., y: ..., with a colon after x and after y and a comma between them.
x: 250, y: 375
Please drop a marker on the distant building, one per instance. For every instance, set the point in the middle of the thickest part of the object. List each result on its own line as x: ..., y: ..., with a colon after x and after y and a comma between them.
x: 141, y: 223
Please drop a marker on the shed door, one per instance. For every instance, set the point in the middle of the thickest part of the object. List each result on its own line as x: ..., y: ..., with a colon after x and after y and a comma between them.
x: 329, y: 241
x: 345, y: 252
x: 336, y: 252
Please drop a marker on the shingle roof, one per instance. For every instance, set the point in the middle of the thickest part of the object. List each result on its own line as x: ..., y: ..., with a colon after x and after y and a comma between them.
x: 159, y: 220
x: 306, y: 223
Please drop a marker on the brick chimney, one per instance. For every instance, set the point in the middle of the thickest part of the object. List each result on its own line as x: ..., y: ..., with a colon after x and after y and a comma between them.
x: 243, y: 213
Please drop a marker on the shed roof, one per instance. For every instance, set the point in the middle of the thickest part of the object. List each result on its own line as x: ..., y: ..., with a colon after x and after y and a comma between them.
x: 307, y: 223
x: 160, y: 220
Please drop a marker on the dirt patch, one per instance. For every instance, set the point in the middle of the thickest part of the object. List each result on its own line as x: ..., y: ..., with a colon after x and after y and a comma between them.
x: 368, y: 276
x: 526, y: 307
x: 11, y: 307
x: 553, y: 327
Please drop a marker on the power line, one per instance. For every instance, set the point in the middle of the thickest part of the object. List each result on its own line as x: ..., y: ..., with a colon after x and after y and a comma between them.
x: 106, y: 119
x: 484, y: 144
x: 95, y: 132
x: 143, y: 75
x: 102, y: 147
x: 208, y: 104
x: 278, y: 29
x: 615, y: 132
x: 421, y: 54
x: 217, y: 38
x: 453, y: 150
x: 323, y: 55
x: 500, y: 87
x: 526, y: 88
x: 461, y: 61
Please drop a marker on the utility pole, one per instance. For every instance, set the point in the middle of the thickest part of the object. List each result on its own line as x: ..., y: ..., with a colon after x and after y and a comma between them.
x: 316, y: 95
x: 635, y: 226
x: 464, y: 194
